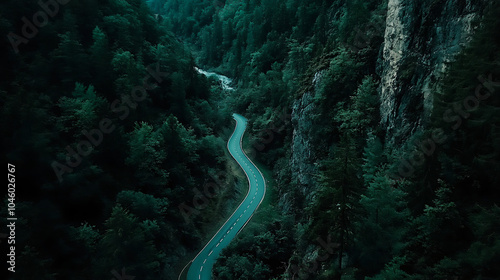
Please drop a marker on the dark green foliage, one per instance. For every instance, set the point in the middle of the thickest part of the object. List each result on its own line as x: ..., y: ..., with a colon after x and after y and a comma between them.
x: 127, y: 243
x: 109, y: 204
x: 117, y: 206
x: 381, y: 227
x: 147, y: 155
x: 336, y: 204
x: 483, y: 253
x: 257, y: 253
x: 422, y: 226
x: 363, y: 111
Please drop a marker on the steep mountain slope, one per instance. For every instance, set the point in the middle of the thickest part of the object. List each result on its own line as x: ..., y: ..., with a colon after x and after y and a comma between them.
x: 111, y: 131
x: 378, y: 162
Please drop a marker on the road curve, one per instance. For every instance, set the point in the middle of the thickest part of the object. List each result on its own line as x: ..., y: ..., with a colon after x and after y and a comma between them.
x: 201, y: 265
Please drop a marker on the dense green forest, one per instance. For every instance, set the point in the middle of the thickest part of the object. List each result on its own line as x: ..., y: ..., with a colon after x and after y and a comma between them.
x: 105, y: 72
x: 423, y: 217
x: 114, y: 133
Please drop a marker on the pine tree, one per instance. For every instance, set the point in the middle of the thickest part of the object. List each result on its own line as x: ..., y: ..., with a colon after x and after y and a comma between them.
x: 71, y: 60
x: 380, y: 230
x: 147, y: 155
x: 125, y: 245
x: 101, y: 60
x: 337, y: 200
x: 81, y: 111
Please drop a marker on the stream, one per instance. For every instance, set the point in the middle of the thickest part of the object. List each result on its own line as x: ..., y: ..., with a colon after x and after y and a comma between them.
x: 224, y: 81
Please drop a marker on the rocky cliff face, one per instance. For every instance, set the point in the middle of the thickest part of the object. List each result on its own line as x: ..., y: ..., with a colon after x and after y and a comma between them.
x: 303, y: 156
x: 420, y: 38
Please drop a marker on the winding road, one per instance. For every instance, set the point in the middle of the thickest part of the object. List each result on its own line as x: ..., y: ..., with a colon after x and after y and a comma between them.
x: 201, y: 265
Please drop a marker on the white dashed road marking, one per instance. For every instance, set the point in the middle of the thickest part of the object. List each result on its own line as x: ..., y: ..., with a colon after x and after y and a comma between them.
x: 250, y: 171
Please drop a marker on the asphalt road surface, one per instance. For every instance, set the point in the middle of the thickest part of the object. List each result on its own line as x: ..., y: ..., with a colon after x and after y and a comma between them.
x: 201, y: 265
